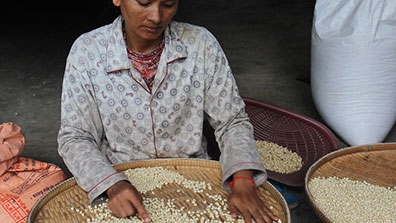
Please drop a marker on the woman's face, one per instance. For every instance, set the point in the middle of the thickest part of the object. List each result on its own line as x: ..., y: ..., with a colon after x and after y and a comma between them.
x: 146, y: 20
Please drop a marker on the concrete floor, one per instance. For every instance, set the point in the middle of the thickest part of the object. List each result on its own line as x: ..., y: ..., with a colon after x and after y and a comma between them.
x: 267, y: 43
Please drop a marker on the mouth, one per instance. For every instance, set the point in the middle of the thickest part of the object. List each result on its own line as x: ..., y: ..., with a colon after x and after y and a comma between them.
x: 152, y: 29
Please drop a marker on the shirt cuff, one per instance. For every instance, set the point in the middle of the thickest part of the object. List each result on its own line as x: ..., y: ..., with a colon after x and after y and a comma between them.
x: 260, y: 175
x: 96, y: 194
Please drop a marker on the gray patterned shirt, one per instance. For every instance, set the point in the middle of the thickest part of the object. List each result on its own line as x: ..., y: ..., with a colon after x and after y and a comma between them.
x: 109, y: 116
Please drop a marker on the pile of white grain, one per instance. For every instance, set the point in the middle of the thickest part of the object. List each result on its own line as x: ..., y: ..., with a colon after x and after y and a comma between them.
x: 278, y: 158
x: 345, y: 200
x: 146, y: 180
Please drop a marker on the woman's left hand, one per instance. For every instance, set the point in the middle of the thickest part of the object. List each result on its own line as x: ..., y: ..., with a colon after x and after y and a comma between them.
x: 245, y: 201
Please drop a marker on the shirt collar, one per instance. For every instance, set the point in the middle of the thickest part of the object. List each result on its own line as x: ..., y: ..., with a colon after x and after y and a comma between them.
x: 116, y: 52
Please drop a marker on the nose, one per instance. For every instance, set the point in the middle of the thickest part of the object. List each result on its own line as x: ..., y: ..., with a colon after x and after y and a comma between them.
x: 154, y: 15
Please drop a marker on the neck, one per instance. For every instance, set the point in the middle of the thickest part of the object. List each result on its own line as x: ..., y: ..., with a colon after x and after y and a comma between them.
x: 144, y: 46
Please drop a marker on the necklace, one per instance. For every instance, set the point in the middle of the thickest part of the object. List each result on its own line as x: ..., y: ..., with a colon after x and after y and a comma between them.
x: 146, y: 63
x: 147, y: 60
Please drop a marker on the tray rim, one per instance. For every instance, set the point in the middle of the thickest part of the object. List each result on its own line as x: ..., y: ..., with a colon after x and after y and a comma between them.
x: 71, y: 182
x: 338, y: 153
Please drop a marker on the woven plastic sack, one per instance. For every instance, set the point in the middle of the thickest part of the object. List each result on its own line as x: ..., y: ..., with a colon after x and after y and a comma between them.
x: 22, y: 180
x: 353, y: 67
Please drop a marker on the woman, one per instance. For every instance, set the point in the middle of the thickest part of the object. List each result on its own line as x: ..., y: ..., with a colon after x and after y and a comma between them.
x: 140, y: 88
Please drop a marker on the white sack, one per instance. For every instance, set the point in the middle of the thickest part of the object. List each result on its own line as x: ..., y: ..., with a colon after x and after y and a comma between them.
x: 353, y: 67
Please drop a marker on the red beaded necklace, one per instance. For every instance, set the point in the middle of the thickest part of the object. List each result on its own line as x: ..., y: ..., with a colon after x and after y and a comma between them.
x: 146, y: 63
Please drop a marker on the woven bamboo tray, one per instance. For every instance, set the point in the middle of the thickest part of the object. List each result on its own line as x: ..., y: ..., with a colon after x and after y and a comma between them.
x: 374, y: 164
x: 56, y: 205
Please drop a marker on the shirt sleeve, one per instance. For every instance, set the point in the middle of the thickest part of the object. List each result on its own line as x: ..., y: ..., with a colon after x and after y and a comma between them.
x: 81, y: 137
x: 225, y: 110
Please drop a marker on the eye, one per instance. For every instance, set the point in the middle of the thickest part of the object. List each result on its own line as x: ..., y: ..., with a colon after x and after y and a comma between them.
x: 169, y: 3
x: 144, y: 3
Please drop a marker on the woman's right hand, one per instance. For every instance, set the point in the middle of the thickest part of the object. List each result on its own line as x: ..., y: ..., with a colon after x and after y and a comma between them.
x: 125, y: 201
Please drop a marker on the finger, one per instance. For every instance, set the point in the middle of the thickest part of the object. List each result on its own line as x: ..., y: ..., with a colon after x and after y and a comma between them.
x: 233, y: 210
x: 267, y: 212
x: 142, y: 212
x: 121, y: 210
x: 262, y: 218
x: 259, y: 219
x: 247, y: 217
x: 268, y: 216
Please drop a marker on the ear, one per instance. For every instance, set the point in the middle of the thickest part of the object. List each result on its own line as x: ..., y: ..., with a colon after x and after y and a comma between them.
x: 116, y: 2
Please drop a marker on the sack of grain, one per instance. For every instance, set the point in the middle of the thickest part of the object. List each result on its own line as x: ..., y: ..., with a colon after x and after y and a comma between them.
x: 353, y: 67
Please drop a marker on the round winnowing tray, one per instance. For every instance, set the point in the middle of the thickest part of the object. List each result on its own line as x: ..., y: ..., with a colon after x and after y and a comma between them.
x: 57, y: 205
x: 374, y: 164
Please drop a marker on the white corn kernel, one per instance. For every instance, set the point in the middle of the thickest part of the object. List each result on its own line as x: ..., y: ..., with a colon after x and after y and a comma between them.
x: 278, y: 158
x: 345, y: 200
x: 165, y: 210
